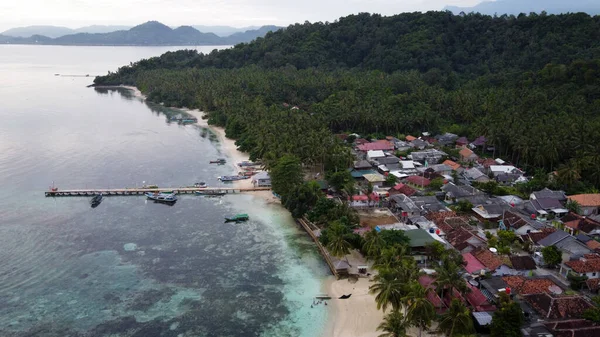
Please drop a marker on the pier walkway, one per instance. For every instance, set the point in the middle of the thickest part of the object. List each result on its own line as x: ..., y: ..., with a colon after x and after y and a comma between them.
x: 141, y: 191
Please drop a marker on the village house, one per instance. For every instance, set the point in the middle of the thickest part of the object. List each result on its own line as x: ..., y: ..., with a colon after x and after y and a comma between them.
x: 462, y: 142
x: 479, y: 142
x: 441, y: 169
x: 454, y: 193
x: 589, y: 265
x: 547, y: 193
x: 410, y: 138
x: 509, y: 179
x: 577, y: 224
x: 551, y: 307
x: 588, y: 203
x: 428, y: 204
x: 545, y: 208
x: 457, y: 231
x: 378, y: 145
x: 431, y: 156
x: 567, y: 244
x: 362, y: 165
x: 522, y: 264
x: 570, y: 328
x: 363, y: 200
x: 526, y: 286
x: 453, y: 165
x: 402, y: 204
x: 419, y: 144
x: 375, y: 179
x: 504, y: 169
x: 519, y: 224
x: 402, y: 189
x: 474, y: 175
x: 373, y: 155
x: 418, y: 182
x: 472, y: 266
x: 488, y: 212
x: 446, y: 139
x: 419, y: 240
x: 493, y: 262
x: 467, y: 155
x: 261, y: 179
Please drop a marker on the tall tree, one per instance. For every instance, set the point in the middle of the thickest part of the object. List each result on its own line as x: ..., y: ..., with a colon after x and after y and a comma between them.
x: 419, y: 311
x: 338, y: 244
x: 389, y: 289
x: 286, y: 174
x: 448, y: 277
x: 456, y: 321
x: 507, y: 320
x: 393, y: 325
x: 373, y: 244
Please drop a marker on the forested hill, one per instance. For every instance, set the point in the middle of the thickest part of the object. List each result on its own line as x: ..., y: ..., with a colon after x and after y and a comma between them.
x: 471, y: 44
x: 530, y: 84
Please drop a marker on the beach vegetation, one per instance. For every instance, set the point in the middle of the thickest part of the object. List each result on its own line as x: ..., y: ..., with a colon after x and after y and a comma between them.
x: 456, y: 321
x: 420, y: 312
x: 393, y: 325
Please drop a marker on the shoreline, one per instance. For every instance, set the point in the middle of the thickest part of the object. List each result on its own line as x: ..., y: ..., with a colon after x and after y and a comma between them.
x: 354, y: 317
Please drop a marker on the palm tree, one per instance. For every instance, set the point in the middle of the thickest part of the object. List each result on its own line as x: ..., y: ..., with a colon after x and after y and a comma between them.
x: 448, y: 277
x: 390, y: 257
x: 456, y: 321
x: 373, y: 244
x: 394, y: 325
x: 338, y: 246
x: 573, y: 206
x: 419, y: 311
x: 389, y: 289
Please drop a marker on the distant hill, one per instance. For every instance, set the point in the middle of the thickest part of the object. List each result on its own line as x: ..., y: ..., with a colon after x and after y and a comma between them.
x: 250, y: 35
x: 57, y: 31
x: 49, y: 31
x: 223, y: 31
x: 152, y: 33
x: 516, y: 7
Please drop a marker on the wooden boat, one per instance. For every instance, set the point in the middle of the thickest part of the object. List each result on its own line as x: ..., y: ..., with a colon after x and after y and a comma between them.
x: 323, y: 297
x: 219, y: 161
x: 201, y: 184
x: 162, y: 197
x: 96, y: 200
x: 238, y: 218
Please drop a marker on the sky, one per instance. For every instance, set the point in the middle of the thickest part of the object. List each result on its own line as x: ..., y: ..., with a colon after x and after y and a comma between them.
x: 237, y: 13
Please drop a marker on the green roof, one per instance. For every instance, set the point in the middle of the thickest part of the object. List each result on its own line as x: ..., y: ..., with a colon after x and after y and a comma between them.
x: 419, y: 237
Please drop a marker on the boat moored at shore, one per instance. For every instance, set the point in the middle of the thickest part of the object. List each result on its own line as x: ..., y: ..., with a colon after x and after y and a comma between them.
x: 162, y: 197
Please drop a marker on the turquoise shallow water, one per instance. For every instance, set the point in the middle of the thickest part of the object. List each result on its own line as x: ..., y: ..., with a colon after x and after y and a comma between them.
x: 131, y: 267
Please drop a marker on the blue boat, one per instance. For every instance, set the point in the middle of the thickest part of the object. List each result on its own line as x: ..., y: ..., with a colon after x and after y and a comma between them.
x: 162, y: 197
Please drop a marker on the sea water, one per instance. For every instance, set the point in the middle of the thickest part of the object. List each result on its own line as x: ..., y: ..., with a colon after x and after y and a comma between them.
x: 131, y: 267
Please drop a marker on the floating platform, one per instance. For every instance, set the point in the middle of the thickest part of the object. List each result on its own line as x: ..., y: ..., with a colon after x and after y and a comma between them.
x: 142, y: 191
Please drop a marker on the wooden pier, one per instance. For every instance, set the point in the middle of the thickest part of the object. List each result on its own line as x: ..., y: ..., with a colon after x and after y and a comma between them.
x: 142, y: 191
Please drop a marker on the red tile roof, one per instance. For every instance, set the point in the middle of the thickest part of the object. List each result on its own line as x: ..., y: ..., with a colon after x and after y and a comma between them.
x: 558, y: 307
x: 418, y: 180
x: 410, y: 138
x: 405, y: 189
x: 465, y: 153
x: 455, y: 166
x: 581, y: 223
x: 584, y: 266
x: 473, y: 264
x: 490, y: 260
x: 586, y: 200
x: 383, y: 145
x: 574, y: 328
x: 527, y: 286
x: 593, y: 244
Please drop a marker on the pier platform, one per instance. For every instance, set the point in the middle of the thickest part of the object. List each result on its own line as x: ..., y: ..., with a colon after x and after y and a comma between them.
x: 141, y: 191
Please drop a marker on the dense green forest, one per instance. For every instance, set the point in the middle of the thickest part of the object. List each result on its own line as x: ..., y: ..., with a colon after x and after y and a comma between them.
x: 530, y: 84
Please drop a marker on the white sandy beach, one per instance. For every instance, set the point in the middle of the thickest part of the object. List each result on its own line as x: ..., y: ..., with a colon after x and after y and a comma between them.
x: 354, y: 317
